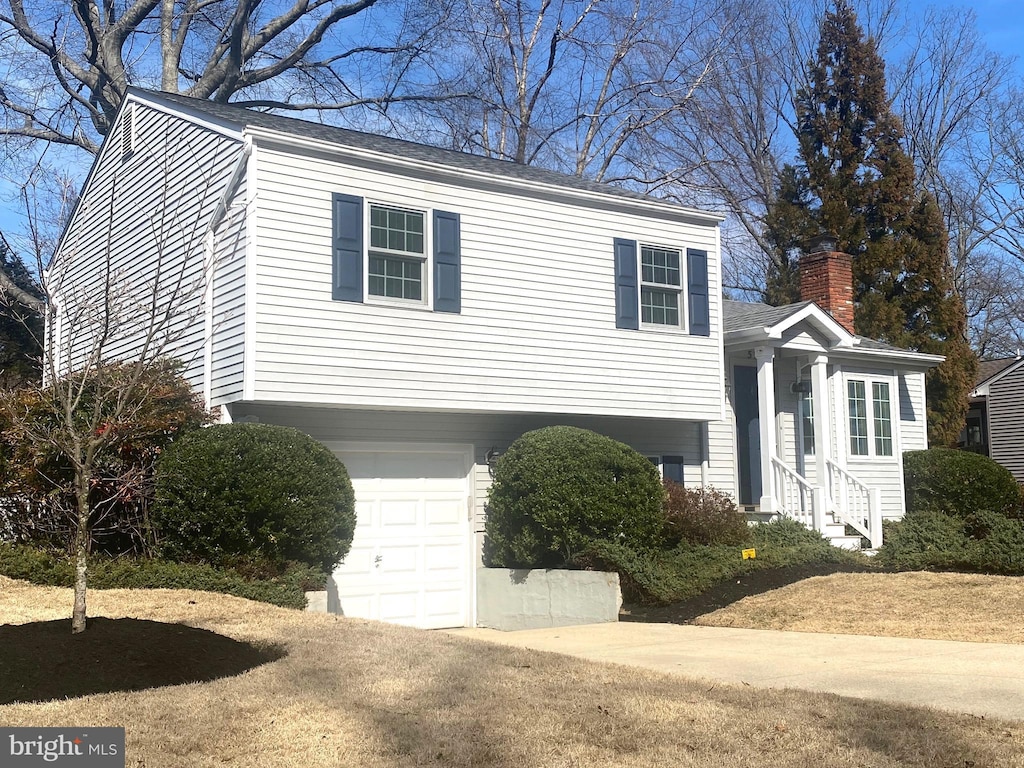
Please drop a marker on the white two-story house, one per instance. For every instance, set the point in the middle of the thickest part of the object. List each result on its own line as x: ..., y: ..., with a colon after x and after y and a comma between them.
x: 417, y: 309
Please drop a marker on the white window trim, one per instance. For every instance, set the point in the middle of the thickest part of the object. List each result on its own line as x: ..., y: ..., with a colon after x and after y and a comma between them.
x: 683, y: 326
x: 869, y: 380
x: 427, y: 260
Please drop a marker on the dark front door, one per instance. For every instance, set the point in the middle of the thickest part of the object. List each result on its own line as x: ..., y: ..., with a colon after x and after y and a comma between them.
x: 748, y: 434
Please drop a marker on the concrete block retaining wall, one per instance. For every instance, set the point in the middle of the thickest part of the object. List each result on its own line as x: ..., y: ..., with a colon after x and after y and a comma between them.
x: 510, y: 599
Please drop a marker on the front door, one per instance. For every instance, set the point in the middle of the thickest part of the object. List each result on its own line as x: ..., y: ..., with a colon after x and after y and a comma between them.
x: 748, y: 435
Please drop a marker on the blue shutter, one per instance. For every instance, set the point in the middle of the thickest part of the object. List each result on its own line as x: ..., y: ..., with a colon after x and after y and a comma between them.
x: 627, y: 300
x: 447, y: 263
x: 697, y: 284
x: 347, y: 261
x: 672, y: 468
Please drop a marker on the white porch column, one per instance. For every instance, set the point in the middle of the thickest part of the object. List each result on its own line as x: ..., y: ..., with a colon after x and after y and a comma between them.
x: 766, y: 418
x: 822, y: 417
x: 822, y: 437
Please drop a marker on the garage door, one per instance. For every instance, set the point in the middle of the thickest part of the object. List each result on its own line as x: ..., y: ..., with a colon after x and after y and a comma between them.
x: 410, y: 561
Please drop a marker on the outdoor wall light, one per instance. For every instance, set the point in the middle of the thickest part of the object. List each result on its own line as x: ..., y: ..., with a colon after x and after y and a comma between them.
x: 492, y: 457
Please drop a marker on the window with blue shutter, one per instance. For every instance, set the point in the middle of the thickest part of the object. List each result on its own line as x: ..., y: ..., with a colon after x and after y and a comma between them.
x: 347, y: 261
x: 447, y: 263
x: 697, y: 292
x: 627, y: 314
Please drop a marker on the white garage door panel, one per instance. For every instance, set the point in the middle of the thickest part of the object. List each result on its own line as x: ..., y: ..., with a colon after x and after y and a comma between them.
x: 410, y: 557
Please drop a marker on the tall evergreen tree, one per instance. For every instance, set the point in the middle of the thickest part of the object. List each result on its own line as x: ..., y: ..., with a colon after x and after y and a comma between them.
x: 855, y: 181
x: 21, y: 329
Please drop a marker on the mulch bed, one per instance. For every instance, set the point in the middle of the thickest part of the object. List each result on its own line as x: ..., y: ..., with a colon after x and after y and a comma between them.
x: 731, y: 590
x: 42, y: 660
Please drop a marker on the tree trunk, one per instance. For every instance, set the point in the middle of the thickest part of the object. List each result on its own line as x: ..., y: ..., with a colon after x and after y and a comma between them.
x: 81, y: 551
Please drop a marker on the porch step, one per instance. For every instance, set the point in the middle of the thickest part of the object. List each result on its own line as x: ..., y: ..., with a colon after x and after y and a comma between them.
x: 847, y: 542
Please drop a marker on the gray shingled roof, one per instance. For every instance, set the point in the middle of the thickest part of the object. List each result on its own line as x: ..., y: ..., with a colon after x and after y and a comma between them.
x: 397, y: 147
x: 743, y: 315
x: 989, y: 368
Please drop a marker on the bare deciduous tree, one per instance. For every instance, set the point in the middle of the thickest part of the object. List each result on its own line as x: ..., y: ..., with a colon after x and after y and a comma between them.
x: 70, y: 65
x: 582, y: 86
x: 110, y: 321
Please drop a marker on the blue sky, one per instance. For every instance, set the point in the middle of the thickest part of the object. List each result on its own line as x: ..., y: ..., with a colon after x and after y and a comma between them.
x: 1001, y: 23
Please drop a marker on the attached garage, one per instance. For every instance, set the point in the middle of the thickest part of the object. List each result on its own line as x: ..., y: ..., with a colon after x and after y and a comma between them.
x: 411, y: 560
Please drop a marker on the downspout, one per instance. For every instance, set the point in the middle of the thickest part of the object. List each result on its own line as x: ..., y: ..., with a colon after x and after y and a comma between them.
x: 209, y: 266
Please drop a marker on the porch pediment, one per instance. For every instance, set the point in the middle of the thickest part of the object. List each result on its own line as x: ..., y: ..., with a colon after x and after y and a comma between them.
x: 803, y: 326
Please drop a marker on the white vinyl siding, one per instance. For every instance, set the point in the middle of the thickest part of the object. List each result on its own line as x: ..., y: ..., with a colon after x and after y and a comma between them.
x: 228, y: 321
x: 536, y: 332
x: 146, y: 218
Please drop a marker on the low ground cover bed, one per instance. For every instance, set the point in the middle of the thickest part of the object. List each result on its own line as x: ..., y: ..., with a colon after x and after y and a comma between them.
x: 286, y: 589
x: 356, y: 693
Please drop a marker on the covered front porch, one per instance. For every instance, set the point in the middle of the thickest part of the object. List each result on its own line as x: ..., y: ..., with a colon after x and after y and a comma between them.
x: 789, y: 437
x: 821, y: 418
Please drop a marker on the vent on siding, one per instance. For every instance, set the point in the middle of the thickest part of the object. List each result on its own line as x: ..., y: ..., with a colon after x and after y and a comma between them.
x: 128, y: 132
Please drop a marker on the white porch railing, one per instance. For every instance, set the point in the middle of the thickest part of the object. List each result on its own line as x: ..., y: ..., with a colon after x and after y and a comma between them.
x: 855, y: 504
x: 794, y: 495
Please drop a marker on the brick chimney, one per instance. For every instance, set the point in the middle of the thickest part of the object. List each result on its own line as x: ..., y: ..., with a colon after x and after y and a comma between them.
x: 826, y: 278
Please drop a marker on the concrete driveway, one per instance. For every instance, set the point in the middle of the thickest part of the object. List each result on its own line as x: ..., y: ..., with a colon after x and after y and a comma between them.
x: 985, y: 679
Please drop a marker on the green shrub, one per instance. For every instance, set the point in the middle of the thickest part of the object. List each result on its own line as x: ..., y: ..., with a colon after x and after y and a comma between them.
x: 57, y: 570
x: 644, y: 577
x: 785, y: 532
x: 981, y: 542
x: 558, y: 489
x: 253, y: 491
x: 702, y: 516
x: 959, y: 483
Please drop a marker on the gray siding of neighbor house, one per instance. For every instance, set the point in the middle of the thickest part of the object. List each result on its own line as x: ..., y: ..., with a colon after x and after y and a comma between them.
x: 1006, y: 422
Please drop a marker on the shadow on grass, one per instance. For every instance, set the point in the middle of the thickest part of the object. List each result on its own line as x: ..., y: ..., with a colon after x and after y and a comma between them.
x: 735, y: 589
x: 42, y: 661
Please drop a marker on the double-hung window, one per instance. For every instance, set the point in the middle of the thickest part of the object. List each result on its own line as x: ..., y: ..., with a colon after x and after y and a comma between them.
x: 397, y: 253
x: 870, y: 429
x: 661, y: 285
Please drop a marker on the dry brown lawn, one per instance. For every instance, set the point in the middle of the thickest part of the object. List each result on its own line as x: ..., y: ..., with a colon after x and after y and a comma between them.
x: 940, y: 606
x: 354, y: 693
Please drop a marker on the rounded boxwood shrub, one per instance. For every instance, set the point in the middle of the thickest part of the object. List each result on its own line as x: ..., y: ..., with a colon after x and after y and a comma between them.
x: 558, y: 489
x: 253, y: 491
x: 959, y: 483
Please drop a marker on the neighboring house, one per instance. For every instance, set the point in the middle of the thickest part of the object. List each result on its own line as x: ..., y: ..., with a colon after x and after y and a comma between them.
x: 995, y: 420
x: 418, y: 309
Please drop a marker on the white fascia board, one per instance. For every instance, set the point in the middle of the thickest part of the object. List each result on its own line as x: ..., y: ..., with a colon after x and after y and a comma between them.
x: 195, y: 116
x: 818, y: 317
x: 913, y: 359
x: 289, y: 141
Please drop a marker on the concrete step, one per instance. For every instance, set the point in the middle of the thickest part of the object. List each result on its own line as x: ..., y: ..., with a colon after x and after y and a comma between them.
x: 847, y: 542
